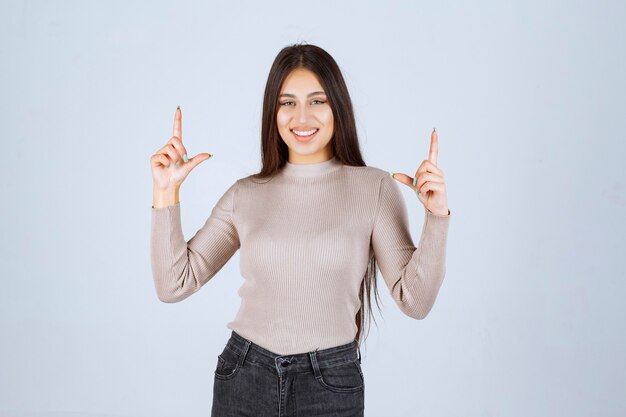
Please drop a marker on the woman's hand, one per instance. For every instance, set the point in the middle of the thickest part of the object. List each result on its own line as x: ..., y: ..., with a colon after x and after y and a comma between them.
x: 170, y: 165
x: 429, y: 184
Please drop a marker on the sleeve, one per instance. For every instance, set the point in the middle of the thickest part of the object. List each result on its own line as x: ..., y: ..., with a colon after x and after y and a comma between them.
x: 181, y: 268
x: 413, y: 275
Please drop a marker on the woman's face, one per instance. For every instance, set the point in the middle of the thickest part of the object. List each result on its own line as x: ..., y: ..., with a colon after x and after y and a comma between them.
x: 303, y: 107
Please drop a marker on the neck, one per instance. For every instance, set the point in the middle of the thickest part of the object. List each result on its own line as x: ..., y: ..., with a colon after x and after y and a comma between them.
x: 312, y: 169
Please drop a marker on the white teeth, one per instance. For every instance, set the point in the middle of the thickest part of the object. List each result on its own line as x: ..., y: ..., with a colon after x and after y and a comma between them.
x: 307, y: 133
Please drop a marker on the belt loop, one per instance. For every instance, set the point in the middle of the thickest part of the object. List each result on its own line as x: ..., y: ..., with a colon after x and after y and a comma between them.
x: 316, y: 368
x: 244, y: 352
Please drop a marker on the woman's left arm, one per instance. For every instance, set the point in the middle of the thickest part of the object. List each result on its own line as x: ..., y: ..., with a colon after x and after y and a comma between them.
x: 413, y: 275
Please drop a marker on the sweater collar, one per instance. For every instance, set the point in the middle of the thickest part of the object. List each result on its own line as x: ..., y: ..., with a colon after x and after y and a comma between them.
x: 312, y: 169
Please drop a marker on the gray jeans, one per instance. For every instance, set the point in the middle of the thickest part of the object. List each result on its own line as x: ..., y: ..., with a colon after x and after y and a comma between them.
x: 252, y: 381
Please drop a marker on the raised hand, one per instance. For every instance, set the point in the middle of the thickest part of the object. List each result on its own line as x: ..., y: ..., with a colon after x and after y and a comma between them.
x: 170, y: 165
x: 428, y: 183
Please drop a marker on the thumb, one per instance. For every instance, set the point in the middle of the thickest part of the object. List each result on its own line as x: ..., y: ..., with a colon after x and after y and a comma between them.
x: 403, y: 178
x: 197, y: 160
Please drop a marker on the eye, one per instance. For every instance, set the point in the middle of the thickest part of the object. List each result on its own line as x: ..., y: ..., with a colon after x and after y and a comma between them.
x: 287, y: 103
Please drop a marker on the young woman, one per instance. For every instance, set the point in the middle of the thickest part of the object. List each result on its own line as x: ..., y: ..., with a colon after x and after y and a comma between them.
x: 312, y: 227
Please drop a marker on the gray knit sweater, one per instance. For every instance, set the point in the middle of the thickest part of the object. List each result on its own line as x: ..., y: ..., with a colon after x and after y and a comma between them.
x: 305, y: 238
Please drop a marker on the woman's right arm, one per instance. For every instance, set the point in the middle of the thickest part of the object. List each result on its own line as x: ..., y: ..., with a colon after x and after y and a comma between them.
x: 181, y: 268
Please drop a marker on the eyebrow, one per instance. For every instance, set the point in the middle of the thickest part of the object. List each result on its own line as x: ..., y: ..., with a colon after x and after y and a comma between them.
x: 309, y: 95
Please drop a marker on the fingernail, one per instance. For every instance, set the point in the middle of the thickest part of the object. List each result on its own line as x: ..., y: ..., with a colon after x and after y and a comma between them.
x: 185, y: 158
x: 210, y: 155
x: 178, y: 107
x: 414, y: 181
x: 434, y: 130
x: 392, y: 175
x: 177, y: 163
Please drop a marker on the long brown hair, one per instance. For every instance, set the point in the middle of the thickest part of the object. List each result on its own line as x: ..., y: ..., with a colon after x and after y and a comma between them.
x: 344, y: 143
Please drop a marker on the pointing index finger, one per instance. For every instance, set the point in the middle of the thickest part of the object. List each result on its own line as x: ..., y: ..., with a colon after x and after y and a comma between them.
x: 434, y: 147
x: 178, y: 123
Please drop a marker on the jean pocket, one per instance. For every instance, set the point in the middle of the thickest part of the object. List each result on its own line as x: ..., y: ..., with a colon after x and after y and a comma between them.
x: 227, y: 364
x: 344, y: 377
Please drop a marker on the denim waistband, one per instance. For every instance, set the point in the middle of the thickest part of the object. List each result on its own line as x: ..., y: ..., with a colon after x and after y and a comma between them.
x: 250, y: 352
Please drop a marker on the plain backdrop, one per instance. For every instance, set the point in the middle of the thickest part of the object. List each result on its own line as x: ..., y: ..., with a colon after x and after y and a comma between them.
x: 528, y: 99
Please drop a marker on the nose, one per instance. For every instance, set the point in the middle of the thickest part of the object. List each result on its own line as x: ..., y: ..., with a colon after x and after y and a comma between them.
x: 303, y: 114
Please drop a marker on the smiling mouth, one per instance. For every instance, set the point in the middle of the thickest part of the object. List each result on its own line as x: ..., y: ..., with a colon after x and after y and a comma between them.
x: 305, y: 137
